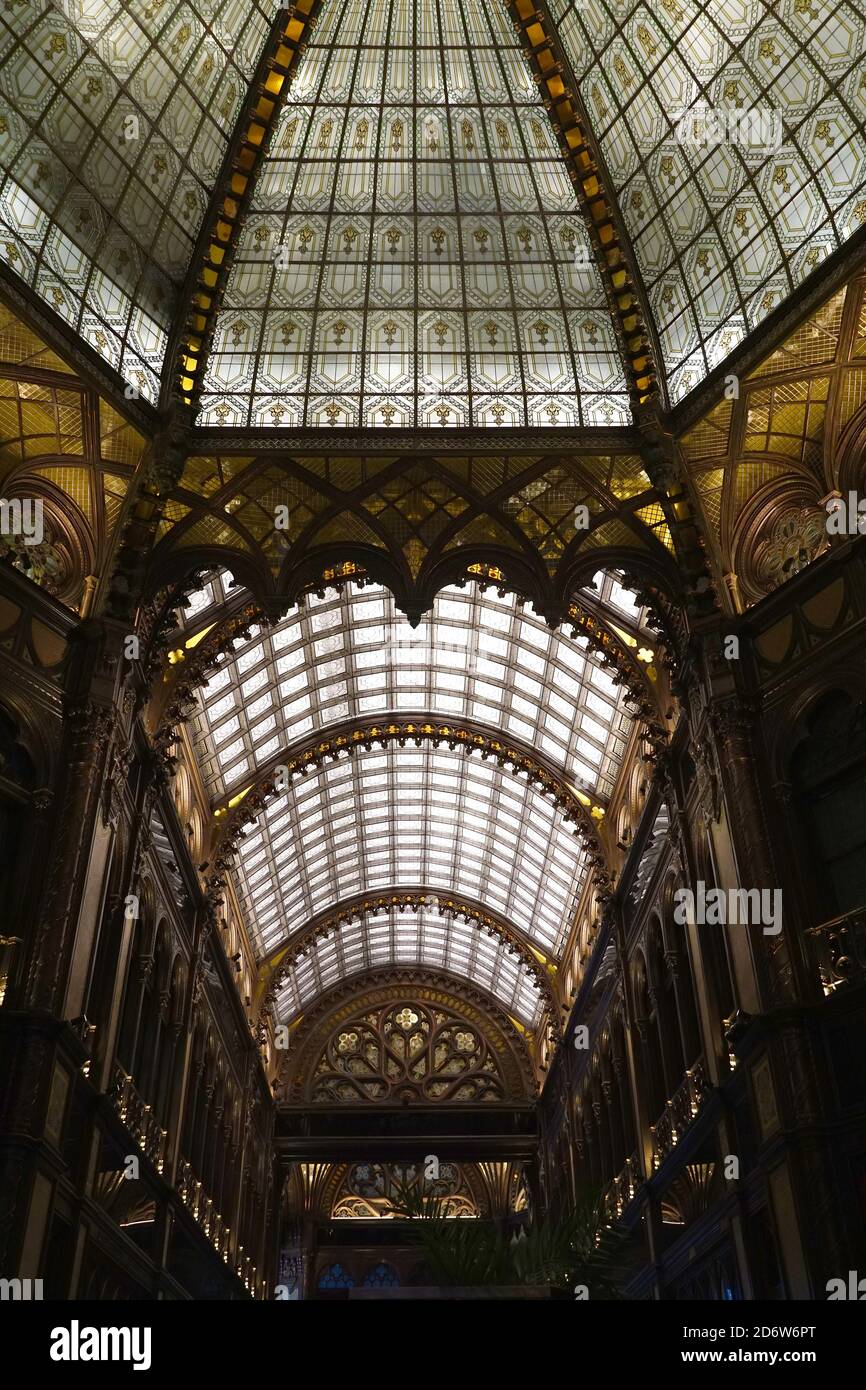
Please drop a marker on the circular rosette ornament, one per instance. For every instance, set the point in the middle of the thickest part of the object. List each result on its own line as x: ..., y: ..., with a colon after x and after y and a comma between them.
x: 796, y: 538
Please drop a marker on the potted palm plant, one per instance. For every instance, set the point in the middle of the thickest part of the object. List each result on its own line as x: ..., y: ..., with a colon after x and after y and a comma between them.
x: 574, y: 1255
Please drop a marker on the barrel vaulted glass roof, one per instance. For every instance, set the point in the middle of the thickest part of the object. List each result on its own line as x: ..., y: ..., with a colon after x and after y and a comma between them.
x: 423, y: 936
x: 114, y: 120
x: 724, y: 230
x: 410, y: 254
x: 411, y: 817
x: 354, y: 657
x: 422, y: 819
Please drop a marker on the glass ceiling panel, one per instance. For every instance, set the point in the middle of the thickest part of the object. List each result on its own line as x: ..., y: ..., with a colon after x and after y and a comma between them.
x: 724, y: 232
x: 413, y: 252
x: 205, y: 605
x: 476, y: 656
x: 114, y: 120
x: 410, y: 817
x: 422, y: 937
x: 619, y: 602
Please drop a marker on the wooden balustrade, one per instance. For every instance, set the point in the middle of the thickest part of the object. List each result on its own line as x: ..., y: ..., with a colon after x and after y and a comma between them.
x: 837, y: 950
x: 139, y: 1119
x: 679, y: 1112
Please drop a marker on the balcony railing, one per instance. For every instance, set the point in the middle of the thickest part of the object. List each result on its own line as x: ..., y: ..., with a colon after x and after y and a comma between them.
x: 622, y: 1189
x: 837, y: 950
x: 201, y: 1206
x: 138, y: 1118
x: 7, y: 956
x: 679, y: 1112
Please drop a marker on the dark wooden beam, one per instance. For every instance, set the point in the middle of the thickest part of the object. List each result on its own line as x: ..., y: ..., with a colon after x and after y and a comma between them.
x: 467, y: 1133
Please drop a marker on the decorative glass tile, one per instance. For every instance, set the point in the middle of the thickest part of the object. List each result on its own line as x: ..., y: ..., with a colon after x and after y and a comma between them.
x: 114, y: 120
x: 724, y: 230
x: 423, y: 936
x: 470, y: 658
x: 427, y: 818
x: 411, y: 255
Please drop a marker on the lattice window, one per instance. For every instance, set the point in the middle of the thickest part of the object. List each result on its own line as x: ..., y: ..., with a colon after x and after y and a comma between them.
x: 115, y: 118
x: 336, y: 1277
x: 407, y: 1052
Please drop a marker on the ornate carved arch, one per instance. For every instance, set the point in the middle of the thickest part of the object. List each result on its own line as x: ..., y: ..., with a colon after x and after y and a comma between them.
x: 264, y: 787
x: 468, y: 1050
x: 368, y: 1190
x: 275, y: 970
x: 249, y: 611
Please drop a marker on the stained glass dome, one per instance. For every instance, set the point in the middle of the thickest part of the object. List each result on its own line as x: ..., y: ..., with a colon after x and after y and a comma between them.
x: 414, y: 250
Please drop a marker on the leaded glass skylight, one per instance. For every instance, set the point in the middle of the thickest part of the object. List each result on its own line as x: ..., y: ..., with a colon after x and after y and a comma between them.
x: 414, y: 254
x: 205, y: 603
x: 410, y: 818
x: 477, y: 656
x: 114, y: 120
x: 419, y: 937
x: 724, y: 231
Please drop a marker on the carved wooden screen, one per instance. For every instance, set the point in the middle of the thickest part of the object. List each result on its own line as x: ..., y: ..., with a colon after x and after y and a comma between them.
x: 369, y: 1190
x: 407, y: 1052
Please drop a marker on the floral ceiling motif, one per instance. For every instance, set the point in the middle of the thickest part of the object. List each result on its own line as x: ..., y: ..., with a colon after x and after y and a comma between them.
x: 414, y: 252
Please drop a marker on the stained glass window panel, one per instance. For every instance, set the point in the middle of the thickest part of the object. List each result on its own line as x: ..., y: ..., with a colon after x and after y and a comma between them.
x: 724, y: 230
x: 114, y: 120
x: 412, y: 254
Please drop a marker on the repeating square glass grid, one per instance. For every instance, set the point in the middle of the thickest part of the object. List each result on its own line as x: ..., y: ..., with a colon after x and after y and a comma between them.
x: 114, y: 120
x: 476, y: 657
x: 411, y: 253
x: 407, y: 817
x: 419, y: 937
x: 723, y: 233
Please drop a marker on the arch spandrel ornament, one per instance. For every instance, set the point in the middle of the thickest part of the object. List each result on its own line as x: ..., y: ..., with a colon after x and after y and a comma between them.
x: 414, y: 1038
x: 517, y: 512
x: 370, y: 1191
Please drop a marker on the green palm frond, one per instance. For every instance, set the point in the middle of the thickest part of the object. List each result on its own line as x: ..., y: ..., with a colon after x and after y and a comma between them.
x: 579, y: 1248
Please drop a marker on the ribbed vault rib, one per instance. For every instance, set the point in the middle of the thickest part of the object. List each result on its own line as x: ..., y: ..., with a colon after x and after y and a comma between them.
x: 613, y: 252
x: 831, y: 275
x: 214, y: 253
x: 69, y: 345
x: 396, y: 815
x: 417, y: 905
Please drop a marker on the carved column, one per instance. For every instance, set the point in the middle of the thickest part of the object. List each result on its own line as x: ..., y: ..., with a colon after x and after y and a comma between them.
x: 88, y: 729
x: 701, y: 954
x: 203, y: 926
x: 634, y: 1034
x: 239, y: 1159
x: 736, y: 728
x: 139, y: 813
